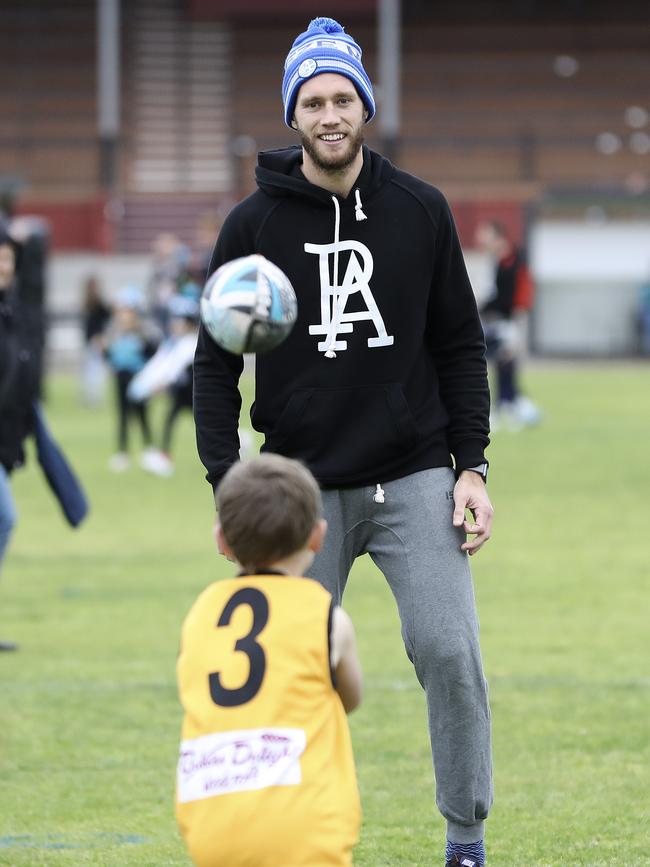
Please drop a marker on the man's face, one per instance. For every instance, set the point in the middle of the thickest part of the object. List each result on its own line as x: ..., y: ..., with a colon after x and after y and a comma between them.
x: 329, y: 117
x: 7, y: 266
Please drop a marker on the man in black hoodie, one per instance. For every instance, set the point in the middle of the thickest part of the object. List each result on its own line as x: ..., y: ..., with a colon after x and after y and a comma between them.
x: 382, y: 380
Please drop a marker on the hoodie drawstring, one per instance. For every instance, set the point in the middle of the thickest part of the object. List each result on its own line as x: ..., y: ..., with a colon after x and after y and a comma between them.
x: 337, y: 312
x: 358, y: 208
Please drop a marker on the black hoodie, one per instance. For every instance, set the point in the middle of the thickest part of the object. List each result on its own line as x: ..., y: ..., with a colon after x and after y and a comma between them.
x: 19, y: 372
x: 406, y: 387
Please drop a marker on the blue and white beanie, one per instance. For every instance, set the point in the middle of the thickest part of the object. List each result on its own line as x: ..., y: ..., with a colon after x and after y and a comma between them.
x: 324, y: 47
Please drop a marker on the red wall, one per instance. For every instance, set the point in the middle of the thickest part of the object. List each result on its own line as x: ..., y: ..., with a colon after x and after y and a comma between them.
x: 74, y: 225
x: 83, y: 225
x: 468, y: 215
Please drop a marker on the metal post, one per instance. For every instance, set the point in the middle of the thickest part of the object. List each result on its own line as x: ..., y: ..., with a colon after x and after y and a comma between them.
x: 108, y: 88
x: 389, y: 35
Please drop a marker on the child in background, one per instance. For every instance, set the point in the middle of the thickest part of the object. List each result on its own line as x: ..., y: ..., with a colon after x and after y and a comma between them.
x: 171, y: 369
x: 171, y: 259
x: 127, y: 350
x: 96, y: 315
x: 266, y: 671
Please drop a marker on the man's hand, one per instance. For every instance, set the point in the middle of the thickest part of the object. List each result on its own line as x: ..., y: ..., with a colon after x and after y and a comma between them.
x: 470, y: 493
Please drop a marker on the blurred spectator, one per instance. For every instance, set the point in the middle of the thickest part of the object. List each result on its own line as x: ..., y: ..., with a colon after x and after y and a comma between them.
x: 644, y: 318
x: 504, y: 317
x: 207, y: 229
x: 170, y: 369
x: 32, y: 233
x: 96, y: 315
x: 19, y: 378
x: 171, y: 261
x: 127, y: 349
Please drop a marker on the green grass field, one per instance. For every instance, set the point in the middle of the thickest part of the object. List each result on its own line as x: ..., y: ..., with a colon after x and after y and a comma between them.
x: 90, y: 719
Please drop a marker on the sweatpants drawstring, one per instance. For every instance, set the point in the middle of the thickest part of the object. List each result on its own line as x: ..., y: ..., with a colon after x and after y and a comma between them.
x: 379, y: 496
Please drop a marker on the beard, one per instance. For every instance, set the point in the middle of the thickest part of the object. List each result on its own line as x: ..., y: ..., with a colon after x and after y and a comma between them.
x: 333, y: 164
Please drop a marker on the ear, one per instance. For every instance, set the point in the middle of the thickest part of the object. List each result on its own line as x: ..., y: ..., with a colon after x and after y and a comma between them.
x: 222, y: 546
x: 294, y: 125
x: 317, y: 536
x: 365, y: 115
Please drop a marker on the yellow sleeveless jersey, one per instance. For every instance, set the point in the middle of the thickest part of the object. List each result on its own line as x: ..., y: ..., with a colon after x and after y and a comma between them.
x: 266, y: 773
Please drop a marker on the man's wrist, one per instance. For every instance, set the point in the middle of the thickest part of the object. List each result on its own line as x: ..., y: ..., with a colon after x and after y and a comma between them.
x: 479, y: 469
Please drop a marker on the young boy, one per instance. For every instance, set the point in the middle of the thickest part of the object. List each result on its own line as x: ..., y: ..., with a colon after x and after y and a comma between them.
x: 267, y: 669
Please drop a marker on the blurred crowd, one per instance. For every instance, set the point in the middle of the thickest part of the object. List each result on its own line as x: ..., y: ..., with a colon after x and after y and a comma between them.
x: 144, y: 341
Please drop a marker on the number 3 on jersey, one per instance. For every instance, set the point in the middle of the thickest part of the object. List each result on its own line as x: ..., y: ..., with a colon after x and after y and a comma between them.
x: 247, y: 644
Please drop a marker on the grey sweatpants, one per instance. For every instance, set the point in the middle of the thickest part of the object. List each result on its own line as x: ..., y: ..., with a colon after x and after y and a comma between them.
x: 411, y: 539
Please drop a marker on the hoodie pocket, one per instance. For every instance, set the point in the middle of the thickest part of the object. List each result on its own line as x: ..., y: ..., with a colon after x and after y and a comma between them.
x: 344, y: 431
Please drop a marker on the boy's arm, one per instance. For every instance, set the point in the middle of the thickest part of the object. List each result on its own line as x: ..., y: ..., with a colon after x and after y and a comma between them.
x: 345, y: 660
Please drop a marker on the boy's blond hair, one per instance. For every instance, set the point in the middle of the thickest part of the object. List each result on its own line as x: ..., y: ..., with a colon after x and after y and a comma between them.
x: 268, y: 508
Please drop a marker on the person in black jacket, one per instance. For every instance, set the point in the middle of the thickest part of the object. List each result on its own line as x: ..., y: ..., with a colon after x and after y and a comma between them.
x: 380, y: 389
x: 504, y: 317
x: 19, y: 383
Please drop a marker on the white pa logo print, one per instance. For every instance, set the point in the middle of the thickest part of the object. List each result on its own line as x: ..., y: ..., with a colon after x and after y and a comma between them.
x: 333, y: 299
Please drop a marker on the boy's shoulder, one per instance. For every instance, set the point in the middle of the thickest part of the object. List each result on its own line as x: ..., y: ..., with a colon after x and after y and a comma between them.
x: 225, y: 589
x: 286, y: 604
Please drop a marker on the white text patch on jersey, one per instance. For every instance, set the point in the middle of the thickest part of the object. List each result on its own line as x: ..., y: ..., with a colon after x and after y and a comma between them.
x: 239, y: 761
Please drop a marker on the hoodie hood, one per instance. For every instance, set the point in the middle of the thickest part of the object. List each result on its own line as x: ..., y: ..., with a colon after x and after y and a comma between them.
x: 279, y: 174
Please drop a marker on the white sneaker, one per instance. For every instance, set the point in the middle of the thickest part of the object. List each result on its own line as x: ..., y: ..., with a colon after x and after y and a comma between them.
x: 156, y: 462
x: 119, y: 462
x: 528, y: 413
x: 509, y: 417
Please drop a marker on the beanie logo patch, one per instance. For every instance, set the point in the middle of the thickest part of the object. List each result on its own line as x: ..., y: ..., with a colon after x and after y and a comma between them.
x: 326, y: 47
x: 307, y: 68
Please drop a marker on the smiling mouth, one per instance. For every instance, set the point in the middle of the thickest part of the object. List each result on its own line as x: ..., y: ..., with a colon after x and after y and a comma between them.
x: 332, y: 136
